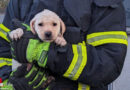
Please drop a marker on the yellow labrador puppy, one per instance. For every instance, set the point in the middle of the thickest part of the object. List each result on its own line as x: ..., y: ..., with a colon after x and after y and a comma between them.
x: 47, y: 25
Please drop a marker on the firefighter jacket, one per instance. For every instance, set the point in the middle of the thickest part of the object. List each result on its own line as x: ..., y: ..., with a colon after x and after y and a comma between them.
x: 96, y: 40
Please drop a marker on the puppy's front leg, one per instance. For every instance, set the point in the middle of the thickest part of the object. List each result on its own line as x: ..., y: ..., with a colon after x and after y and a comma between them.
x: 60, y: 41
x: 16, y: 34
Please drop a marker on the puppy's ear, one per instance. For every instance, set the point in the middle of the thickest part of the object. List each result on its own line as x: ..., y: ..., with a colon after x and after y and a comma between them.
x: 63, y: 27
x: 32, y: 25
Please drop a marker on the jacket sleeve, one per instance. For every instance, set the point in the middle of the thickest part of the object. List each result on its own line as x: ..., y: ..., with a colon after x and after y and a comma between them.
x: 17, y: 9
x: 12, y: 12
x: 99, y: 60
x: 5, y: 55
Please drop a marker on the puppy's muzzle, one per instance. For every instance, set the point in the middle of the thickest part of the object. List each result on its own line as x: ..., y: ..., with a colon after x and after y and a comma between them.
x: 48, y: 35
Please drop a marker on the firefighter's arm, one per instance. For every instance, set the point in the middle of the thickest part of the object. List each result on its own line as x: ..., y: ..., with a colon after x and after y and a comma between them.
x: 99, y: 61
x: 5, y: 55
x: 11, y: 12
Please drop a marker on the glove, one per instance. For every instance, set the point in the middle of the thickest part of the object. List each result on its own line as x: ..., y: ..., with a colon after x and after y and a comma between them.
x: 34, y: 79
x: 29, y: 50
x: 37, y: 51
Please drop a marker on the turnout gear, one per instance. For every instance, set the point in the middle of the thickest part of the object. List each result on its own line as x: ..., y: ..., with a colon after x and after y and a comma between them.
x: 5, y: 57
x: 5, y: 72
x: 34, y: 79
x: 96, y: 40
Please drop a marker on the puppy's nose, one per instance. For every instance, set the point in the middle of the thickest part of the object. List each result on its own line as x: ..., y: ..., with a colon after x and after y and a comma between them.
x: 48, y: 34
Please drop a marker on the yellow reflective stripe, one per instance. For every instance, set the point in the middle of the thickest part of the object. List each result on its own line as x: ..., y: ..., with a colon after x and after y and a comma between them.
x: 78, y: 63
x: 4, y: 64
x: 4, y: 28
x: 4, y: 36
x: 106, y: 33
x: 100, y: 38
x: 5, y: 61
x: 83, y: 86
x: 83, y: 63
x: 105, y: 41
x: 73, y: 63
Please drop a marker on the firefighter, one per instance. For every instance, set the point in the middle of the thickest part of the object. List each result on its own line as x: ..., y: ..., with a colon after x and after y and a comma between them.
x: 96, y: 41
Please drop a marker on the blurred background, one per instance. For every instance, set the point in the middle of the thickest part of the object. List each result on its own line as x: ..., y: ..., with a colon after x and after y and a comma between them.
x: 123, y: 82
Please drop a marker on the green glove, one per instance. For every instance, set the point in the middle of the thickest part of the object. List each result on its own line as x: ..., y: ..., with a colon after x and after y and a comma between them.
x: 37, y: 51
x: 30, y: 50
x: 34, y: 79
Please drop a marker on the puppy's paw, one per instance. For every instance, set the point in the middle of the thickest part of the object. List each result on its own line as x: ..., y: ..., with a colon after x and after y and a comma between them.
x: 60, y: 41
x: 16, y: 34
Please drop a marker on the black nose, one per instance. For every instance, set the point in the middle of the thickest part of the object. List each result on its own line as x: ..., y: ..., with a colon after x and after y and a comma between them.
x: 48, y: 34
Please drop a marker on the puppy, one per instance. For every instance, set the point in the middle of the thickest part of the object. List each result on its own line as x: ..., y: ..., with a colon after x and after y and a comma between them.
x: 47, y: 25
x: 49, y: 28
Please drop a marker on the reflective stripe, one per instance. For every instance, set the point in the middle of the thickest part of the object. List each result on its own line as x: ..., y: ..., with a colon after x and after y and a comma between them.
x: 4, y: 28
x: 3, y: 32
x: 27, y: 27
x: 100, y: 38
x: 78, y: 63
x: 4, y: 35
x: 73, y: 63
x: 83, y: 63
x: 83, y: 86
x: 5, y: 61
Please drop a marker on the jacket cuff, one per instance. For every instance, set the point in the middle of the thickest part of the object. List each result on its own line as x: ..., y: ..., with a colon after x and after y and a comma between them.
x: 59, y: 58
x: 73, y: 35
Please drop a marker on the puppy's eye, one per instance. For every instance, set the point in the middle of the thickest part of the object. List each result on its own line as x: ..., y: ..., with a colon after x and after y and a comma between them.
x: 40, y: 24
x: 54, y: 24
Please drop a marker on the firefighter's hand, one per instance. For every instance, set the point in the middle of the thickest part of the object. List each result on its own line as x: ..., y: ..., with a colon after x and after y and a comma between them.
x: 34, y: 79
x: 37, y: 51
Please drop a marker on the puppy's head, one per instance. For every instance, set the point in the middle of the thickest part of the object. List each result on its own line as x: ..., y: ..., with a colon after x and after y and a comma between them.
x: 47, y: 25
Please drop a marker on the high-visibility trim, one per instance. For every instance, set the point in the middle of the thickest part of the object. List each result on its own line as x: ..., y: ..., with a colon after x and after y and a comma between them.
x: 83, y: 63
x: 3, y: 32
x: 73, y: 63
x: 27, y: 26
x: 42, y: 80
x: 105, y: 41
x: 106, y: 33
x: 5, y: 61
x: 4, y: 28
x: 4, y: 36
x: 78, y: 63
x: 83, y: 86
x: 33, y: 69
x: 101, y: 38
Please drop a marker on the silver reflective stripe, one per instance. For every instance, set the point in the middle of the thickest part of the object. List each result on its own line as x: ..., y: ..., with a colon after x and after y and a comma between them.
x: 79, y: 61
x: 97, y: 38
x: 2, y: 61
x: 5, y: 33
x: 83, y: 86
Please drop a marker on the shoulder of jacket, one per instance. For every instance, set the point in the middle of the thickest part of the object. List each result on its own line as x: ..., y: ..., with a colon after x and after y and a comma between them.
x: 106, y: 2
